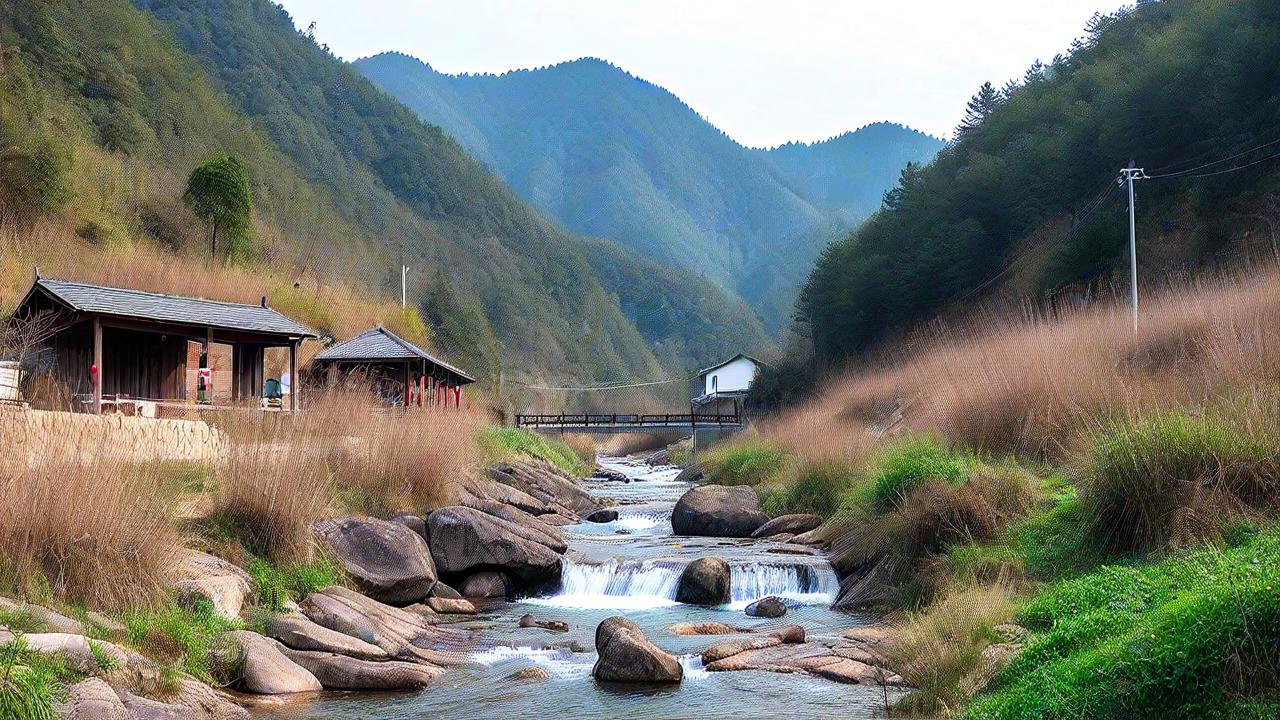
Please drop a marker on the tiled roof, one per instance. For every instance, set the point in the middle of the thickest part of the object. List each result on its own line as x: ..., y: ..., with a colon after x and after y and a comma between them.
x: 122, y: 302
x: 382, y: 344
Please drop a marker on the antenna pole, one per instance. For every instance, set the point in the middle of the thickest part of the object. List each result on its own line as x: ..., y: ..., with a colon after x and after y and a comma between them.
x: 1127, y: 176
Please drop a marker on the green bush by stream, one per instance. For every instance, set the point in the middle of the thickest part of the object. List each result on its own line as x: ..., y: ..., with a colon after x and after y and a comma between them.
x: 498, y: 444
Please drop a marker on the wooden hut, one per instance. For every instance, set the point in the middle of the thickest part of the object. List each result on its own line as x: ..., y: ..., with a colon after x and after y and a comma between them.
x: 404, y: 373
x: 114, y: 345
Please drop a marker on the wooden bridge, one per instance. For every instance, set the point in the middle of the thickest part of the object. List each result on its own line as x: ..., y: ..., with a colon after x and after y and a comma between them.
x: 599, y: 423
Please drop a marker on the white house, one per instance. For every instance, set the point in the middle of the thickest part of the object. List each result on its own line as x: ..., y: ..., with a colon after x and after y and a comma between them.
x: 728, y: 380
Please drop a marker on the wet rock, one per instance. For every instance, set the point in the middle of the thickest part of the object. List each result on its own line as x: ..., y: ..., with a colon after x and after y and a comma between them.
x: 265, y: 670
x: 788, y: 524
x: 661, y: 457
x: 529, y: 674
x: 444, y: 591
x: 92, y: 699
x: 388, y: 561
x: 485, y: 584
x: 603, y: 515
x: 529, y: 621
x: 718, y: 511
x: 403, y: 635
x: 809, y: 657
x: 464, y: 539
x: 413, y: 522
x: 705, y: 628
x: 789, y: 634
x: 730, y: 648
x: 603, y: 473
x: 221, y: 583
x: 626, y: 655
x: 770, y: 607
x: 300, y: 633
x: 546, y: 483
x: 338, y: 672
x: 692, y: 473
x: 449, y: 605
x: 705, y: 581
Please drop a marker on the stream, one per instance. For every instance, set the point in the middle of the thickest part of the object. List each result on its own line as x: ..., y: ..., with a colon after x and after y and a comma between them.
x: 631, y: 567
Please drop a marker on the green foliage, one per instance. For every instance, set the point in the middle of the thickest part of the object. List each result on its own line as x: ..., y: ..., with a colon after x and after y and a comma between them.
x: 815, y: 488
x: 1174, y: 478
x: 1192, y: 636
x: 274, y: 585
x: 745, y: 462
x: 1034, y: 157
x: 1053, y: 542
x: 104, y: 660
x: 179, y: 635
x: 30, y: 683
x: 497, y: 444
x: 20, y: 620
x: 909, y: 464
x: 218, y: 193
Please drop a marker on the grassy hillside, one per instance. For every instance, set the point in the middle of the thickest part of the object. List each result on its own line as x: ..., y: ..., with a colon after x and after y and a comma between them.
x: 106, y: 113
x: 611, y: 155
x: 1024, y: 203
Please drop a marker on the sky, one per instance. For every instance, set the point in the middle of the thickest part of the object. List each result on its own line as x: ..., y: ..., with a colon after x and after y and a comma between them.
x: 764, y: 72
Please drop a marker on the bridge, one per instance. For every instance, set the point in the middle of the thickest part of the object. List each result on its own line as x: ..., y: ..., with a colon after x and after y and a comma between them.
x: 600, y: 423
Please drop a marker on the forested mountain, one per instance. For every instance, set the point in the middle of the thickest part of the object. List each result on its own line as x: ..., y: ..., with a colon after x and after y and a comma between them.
x: 1024, y: 201
x: 612, y: 155
x: 105, y: 112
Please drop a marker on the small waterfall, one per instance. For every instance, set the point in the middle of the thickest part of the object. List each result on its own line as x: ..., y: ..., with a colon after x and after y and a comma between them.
x: 643, y: 584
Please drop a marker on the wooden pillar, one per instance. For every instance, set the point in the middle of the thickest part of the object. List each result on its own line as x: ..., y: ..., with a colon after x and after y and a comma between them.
x: 97, y: 366
x: 407, y: 386
x: 295, y: 387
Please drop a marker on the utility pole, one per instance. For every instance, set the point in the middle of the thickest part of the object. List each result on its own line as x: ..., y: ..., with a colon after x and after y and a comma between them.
x: 1128, y: 175
x: 404, y: 274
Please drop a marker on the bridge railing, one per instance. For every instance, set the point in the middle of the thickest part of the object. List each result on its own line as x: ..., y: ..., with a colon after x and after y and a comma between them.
x: 566, y: 420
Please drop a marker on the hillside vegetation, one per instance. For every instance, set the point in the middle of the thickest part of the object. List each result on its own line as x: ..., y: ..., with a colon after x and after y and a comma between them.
x: 1023, y: 202
x: 612, y: 155
x: 105, y: 114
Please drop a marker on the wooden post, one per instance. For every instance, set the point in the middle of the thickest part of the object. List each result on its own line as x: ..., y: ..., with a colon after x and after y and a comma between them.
x: 407, y: 388
x: 97, y: 365
x: 295, y: 384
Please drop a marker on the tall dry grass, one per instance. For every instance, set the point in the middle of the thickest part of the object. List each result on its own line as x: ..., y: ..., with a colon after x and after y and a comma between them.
x: 1029, y: 384
x: 97, y: 533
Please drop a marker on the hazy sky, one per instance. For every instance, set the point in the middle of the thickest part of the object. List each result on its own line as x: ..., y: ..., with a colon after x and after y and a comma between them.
x: 764, y: 72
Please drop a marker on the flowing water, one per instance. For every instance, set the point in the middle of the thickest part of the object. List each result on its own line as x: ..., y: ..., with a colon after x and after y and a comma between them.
x: 631, y: 567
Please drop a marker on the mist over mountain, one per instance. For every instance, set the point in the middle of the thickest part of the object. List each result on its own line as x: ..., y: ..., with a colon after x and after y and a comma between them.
x: 612, y: 155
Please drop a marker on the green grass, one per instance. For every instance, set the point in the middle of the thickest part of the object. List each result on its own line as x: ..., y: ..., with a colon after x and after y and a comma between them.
x: 1192, y: 636
x: 819, y: 489
x: 498, y: 444
x: 179, y: 636
x: 275, y: 585
x: 20, y: 620
x: 909, y: 464
x: 745, y: 462
x: 30, y: 683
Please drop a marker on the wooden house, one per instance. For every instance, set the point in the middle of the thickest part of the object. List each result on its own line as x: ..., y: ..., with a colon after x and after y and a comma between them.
x: 402, y: 373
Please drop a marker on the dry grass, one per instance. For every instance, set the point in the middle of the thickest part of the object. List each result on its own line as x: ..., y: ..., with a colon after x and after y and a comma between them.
x: 1029, y: 385
x: 623, y: 444
x: 95, y: 533
x: 584, y: 446
x: 940, y: 651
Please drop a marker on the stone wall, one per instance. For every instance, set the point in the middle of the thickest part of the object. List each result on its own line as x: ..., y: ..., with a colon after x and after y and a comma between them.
x: 45, y: 437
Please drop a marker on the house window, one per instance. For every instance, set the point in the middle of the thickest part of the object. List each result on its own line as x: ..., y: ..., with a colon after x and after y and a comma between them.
x: 714, y: 379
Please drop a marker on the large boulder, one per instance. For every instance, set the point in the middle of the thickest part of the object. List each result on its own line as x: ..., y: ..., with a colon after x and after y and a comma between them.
x: 224, y: 585
x: 388, y: 561
x: 141, y: 708
x: 718, y: 511
x: 339, y: 672
x: 546, y: 483
x: 769, y: 607
x: 265, y: 670
x: 44, y: 618
x: 464, y: 540
x: 300, y: 633
x: 626, y: 655
x: 92, y: 699
x: 794, y: 524
x: 401, y: 633
x: 705, y: 581
x: 485, y: 584
x: 603, y: 515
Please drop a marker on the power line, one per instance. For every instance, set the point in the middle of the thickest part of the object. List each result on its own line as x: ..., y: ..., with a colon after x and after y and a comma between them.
x: 1221, y: 172
x: 607, y: 387
x: 1188, y: 172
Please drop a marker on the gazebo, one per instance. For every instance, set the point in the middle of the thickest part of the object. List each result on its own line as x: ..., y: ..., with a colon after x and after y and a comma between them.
x: 404, y: 372
x: 112, y: 345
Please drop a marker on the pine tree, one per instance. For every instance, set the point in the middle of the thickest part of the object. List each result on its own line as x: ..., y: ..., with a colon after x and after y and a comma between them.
x: 980, y: 105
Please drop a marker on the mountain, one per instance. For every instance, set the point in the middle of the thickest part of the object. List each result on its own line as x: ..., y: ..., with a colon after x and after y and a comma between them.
x: 611, y: 155
x: 1024, y: 204
x: 115, y: 106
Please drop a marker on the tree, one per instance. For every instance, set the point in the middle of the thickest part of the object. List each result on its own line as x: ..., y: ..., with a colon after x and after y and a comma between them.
x: 979, y: 107
x: 218, y: 193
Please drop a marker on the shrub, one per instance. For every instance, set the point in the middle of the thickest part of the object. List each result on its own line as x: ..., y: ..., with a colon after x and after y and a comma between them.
x: 499, y: 444
x: 1192, y: 636
x: 745, y: 462
x: 180, y: 635
x: 817, y: 488
x: 911, y: 463
x: 29, y: 683
x: 274, y: 585
x: 1172, y: 479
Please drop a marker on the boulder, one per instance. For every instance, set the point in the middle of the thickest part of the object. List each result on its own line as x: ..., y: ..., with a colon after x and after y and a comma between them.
x: 413, y: 522
x: 705, y: 628
x: 47, y: 620
x: 221, y: 583
x: 705, y: 581
x: 604, y: 473
x: 77, y: 651
x: 660, y: 457
x: 486, y: 584
x: 300, y: 633
x: 789, y: 634
x: 444, y: 591
x: 449, y: 605
x: 265, y: 670
x: 92, y: 699
x: 603, y: 515
x: 141, y: 708
x: 729, y: 648
x: 769, y: 607
x: 794, y: 524
x: 626, y: 655
x: 465, y: 539
x: 546, y: 483
x: 529, y: 621
x: 339, y: 672
x: 527, y: 674
x: 389, y: 561
x: 206, y: 702
x: 718, y: 511
x: 692, y: 473
x: 542, y: 529
x: 402, y: 634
